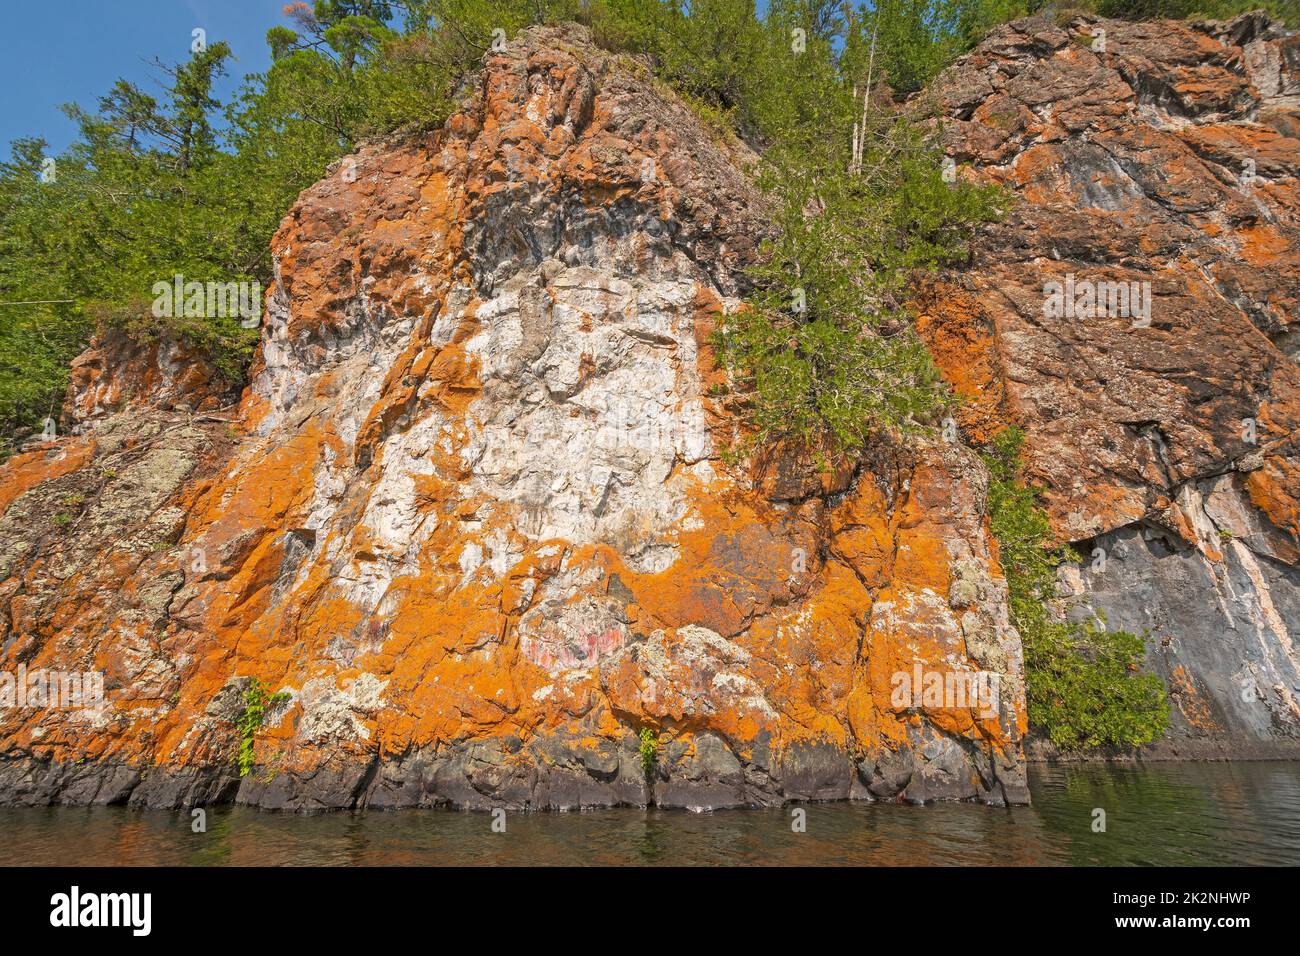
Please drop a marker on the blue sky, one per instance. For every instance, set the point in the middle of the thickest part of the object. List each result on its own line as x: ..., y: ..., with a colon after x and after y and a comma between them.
x: 73, y: 51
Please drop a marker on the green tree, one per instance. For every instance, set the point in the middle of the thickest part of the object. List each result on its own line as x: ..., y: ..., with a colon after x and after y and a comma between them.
x: 826, y: 349
x: 170, y: 181
x: 1083, y: 683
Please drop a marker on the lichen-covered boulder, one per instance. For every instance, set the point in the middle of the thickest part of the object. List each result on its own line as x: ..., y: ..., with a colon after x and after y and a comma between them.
x: 472, y: 515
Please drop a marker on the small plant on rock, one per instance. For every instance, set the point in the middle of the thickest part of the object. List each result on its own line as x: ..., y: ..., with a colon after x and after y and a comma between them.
x: 1083, y: 683
x: 648, y: 751
x: 256, y: 702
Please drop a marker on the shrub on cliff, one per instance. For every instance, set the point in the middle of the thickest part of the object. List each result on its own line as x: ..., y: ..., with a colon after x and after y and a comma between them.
x: 1082, y: 683
x: 154, y: 187
x: 1288, y: 11
x: 825, y: 349
x: 257, y: 701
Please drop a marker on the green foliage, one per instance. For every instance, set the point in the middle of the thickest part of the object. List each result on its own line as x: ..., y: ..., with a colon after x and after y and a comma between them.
x: 256, y: 703
x: 178, y: 184
x: 1287, y: 11
x: 139, y: 197
x: 915, y: 39
x: 1086, y: 690
x: 825, y: 346
x: 1083, y: 683
x: 38, y: 334
x: 170, y: 181
x: 648, y: 750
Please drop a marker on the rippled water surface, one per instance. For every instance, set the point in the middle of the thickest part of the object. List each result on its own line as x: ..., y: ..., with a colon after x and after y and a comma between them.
x: 1168, y: 814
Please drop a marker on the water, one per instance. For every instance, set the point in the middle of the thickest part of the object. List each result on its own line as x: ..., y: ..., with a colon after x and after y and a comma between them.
x: 1165, y: 814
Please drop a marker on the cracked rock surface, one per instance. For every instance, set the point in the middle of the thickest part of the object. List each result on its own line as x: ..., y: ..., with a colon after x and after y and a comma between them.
x: 1167, y: 154
x: 472, y: 517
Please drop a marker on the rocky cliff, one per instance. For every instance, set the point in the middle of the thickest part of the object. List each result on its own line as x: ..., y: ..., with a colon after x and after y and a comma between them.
x: 471, y: 516
x: 1167, y: 155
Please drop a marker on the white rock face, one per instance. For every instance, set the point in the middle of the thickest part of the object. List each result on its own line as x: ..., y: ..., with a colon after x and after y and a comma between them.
x: 472, y: 519
x: 589, y: 427
x: 591, y: 403
x: 1215, y: 616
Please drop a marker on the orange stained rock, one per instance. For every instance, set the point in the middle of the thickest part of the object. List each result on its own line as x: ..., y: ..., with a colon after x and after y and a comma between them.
x: 345, y: 550
x: 24, y: 471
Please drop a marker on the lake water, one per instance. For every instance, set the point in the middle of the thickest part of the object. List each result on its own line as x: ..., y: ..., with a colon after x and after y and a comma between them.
x: 1166, y: 814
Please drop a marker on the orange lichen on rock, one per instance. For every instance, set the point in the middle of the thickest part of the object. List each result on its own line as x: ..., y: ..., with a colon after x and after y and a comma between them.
x: 1119, y: 409
x: 474, y: 519
x: 960, y: 337
x: 26, y: 470
x: 1134, y: 315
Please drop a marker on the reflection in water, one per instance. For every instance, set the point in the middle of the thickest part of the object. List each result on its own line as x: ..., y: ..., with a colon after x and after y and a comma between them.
x: 1174, y: 814
x: 1165, y: 814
